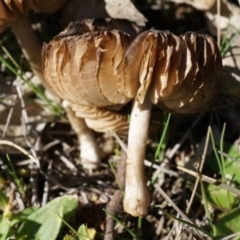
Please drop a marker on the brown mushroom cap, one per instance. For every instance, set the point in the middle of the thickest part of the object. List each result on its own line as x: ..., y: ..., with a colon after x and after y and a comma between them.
x: 200, y: 68
x: 181, y: 74
x: 81, y: 64
x: 9, y: 10
x: 6, y: 15
x: 102, y: 120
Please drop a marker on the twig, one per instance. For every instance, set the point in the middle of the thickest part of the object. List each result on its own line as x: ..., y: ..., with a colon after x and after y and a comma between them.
x: 159, y: 169
x: 24, y: 121
x: 9, y: 116
x: 200, y: 170
x: 178, y: 210
x: 47, y: 146
x: 121, y: 143
x: 211, y: 181
x: 179, y: 228
x: 228, y: 156
x: 67, y: 162
x: 231, y: 236
x: 170, y: 233
x: 115, y: 203
x: 165, y: 196
x: 159, y: 227
x: 11, y: 144
x: 46, y: 186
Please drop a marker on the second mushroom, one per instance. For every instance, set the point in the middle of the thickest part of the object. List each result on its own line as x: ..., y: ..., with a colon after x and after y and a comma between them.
x: 178, y: 74
x: 95, y: 67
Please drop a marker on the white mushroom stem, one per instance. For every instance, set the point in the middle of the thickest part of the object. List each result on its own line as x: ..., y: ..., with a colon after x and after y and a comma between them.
x: 136, y: 198
x: 29, y: 43
x: 89, y: 152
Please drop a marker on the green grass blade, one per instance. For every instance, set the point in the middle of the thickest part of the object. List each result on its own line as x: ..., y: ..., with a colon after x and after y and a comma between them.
x: 205, y: 201
x: 118, y: 221
x: 163, y: 137
x: 229, y: 43
x: 222, y: 150
x: 16, y: 179
x: 215, y: 151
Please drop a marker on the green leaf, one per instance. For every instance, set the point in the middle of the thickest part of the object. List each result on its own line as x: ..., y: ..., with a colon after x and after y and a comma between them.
x: 69, y: 237
x: 232, y: 167
x: 231, y: 164
x: 4, y: 228
x: 22, y: 216
x: 85, y: 233
x: 220, y: 197
x: 45, y: 223
x: 227, y: 224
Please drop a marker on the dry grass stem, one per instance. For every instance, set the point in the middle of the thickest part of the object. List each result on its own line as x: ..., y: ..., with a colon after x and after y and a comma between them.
x: 178, y: 210
x: 66, y: 161
x: 200, y: 167
x: 9, y: 116
x: 211, y: 180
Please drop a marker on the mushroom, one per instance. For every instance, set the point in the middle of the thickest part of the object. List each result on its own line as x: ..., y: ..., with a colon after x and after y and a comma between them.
x: 97, y: 72
x: 179, y: 74
x: 83, y: 118
x: 80, y: 65
x: 103, y: 120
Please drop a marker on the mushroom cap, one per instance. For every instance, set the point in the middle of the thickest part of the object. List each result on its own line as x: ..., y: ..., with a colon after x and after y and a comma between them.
x: 7, y: 14
x: 92, y: 65
x: 9, y: 10
x: 102, y: 120
x: 181, y: 74
x: 81, y: 64
x: 200, y: 68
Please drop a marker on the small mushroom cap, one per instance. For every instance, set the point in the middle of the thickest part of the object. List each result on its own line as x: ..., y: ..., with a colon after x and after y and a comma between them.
x: 81, y: 64
x: 102, y: 120
x: 9, y: 10
x: 6, y: 15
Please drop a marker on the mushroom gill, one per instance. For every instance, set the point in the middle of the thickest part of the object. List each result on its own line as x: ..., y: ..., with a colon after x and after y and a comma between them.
x: 102, y: 120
